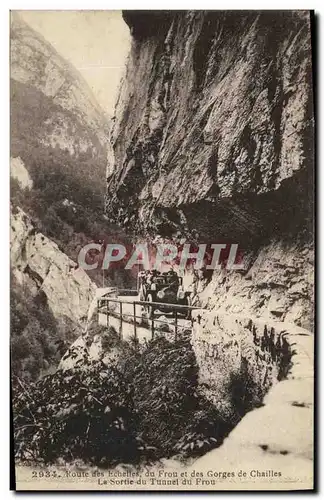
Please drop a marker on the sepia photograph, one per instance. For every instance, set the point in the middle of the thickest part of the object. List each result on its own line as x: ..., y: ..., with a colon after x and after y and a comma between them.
x: 162, y: 229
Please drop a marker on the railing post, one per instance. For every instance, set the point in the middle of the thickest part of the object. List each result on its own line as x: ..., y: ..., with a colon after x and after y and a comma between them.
x: 121, y: 320
x: 176, y: 325
x: 135, y: 332
x: 107, y: 306
x: 152, y: 323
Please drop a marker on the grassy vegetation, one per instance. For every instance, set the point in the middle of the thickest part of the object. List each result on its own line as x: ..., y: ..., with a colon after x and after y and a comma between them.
x: 143, y: 406
x: 37, y: 339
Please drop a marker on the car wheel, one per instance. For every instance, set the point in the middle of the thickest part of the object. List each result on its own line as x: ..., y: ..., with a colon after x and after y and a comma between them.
x: 142, y: 294
x: 188, y: 303
x: 150, y: 311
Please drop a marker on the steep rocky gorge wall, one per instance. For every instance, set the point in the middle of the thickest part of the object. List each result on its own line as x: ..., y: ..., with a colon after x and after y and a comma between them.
x: 213, y: 141
x: 215, y: 109
x: 39, y: 265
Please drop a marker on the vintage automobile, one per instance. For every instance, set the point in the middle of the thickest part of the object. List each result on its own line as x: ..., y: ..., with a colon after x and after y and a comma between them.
x: 165, y: 288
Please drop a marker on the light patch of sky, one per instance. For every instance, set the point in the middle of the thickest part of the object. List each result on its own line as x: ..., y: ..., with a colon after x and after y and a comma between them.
x: 95, y: 42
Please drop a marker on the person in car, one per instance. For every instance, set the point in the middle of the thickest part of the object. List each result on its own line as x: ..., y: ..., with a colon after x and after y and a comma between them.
x: 150, y: 278
x: 172, y: 277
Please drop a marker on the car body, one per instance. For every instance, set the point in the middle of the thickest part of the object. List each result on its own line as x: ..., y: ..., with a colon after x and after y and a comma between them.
x: 164, y: 288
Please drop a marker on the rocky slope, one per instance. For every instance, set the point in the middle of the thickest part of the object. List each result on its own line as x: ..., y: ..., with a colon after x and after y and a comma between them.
x: 216, y: 108
x: 278, y: 284
x: 213, y: 141
x: 39, y: 265
x: 50, y: 298
x: 51, y: 105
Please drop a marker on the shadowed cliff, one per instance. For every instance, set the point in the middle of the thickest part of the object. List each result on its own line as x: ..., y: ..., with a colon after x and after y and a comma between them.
x: 215, y: 112
x: 213, y: 141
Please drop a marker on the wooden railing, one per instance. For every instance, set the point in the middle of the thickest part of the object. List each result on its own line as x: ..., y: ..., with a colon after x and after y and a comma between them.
x: 140, y: 319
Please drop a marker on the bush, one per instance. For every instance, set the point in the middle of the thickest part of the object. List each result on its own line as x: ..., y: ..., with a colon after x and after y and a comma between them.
x: 37, y: 339
x: 84, y: 413
x: 175, y: 418
x: 144, y: 406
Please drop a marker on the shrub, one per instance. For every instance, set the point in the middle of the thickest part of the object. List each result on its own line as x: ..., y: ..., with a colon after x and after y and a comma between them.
x: 144, y: 406
x: 86, y: 412
x: 173, y: 412
x: 37, y: 339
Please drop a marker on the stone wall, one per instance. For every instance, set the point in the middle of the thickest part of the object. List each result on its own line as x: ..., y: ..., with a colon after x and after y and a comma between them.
x: 277, y: 436
x: 239, y: 360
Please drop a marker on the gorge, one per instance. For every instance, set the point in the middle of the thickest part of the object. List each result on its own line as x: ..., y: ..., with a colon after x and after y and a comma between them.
x: 213, y: 138
x: 212, y: 141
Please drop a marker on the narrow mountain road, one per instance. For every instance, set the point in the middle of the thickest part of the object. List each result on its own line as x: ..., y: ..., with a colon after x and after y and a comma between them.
x: 145, y: 328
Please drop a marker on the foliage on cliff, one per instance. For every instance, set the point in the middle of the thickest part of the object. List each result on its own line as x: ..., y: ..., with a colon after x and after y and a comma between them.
x: 37, y: 338
x: 79, y: 414
x: 60, y: 134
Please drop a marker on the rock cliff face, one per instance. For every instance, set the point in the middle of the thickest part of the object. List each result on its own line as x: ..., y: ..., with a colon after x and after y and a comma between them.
x: 40, y: 266
x: 51, y: 105
x: 215, y: 112
x: 278, y: 284
x: 213, y: 141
